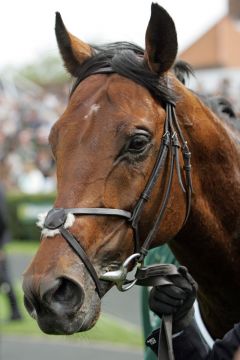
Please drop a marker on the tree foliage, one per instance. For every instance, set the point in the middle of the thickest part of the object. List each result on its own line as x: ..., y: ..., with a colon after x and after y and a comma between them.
x: 46, y: 71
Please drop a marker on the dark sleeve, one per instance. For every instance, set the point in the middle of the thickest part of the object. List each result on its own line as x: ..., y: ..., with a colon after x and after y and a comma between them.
x: 224, y: 349
x: 189, y: 344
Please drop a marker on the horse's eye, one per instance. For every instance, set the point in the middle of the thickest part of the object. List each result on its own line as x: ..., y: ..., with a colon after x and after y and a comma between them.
x: 138, y: 143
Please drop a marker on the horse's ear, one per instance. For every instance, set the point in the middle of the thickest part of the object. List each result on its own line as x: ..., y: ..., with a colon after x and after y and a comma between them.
x: 161, y: 40
x: 74, y: 51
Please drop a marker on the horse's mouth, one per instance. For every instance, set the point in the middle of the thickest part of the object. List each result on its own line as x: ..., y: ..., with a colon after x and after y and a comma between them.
x: 57, y: 325
x: 62, y: 319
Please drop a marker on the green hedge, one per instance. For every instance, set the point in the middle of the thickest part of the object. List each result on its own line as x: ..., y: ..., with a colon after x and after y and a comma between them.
x: 23, y: 211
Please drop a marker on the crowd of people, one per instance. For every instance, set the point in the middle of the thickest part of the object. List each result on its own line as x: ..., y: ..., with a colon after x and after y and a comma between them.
x: 26, y: 118
x: 27, y: 113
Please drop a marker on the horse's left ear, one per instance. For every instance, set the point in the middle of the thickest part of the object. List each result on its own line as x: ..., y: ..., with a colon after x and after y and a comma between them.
x: 74, y: 51
x: 161, y: 40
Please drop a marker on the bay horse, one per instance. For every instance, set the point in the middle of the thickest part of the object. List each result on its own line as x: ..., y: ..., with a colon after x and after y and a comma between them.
x: 106, y: 145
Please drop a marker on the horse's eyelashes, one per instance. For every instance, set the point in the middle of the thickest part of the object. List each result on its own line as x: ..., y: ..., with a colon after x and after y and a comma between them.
x: 138, y: 143
x: 136, y: 147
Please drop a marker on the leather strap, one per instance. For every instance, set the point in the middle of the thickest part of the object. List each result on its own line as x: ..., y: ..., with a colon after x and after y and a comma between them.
x: 72, y: 241
x: 156, y: 275
x: 165, y: 346
x: 99, y: 211
x: 56, y: 219
x: 138, y: 209
x: 147, y: 243
x: 160, y: 275
x: 170, y: 143
x: 187, y: 163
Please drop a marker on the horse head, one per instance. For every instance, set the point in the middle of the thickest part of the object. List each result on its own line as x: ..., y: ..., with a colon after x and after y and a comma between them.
x: 106, y: 145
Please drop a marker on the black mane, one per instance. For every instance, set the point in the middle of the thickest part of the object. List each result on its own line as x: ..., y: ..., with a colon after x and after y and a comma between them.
x: 126, y: 59
x: 223, y: 108
x: 182, y: 71
x: 220, y: 105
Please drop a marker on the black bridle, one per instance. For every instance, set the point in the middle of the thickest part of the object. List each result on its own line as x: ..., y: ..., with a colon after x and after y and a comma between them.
x: 172, y: 141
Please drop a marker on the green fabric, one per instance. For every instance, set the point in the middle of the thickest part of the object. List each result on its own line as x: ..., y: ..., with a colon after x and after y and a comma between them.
x: 151, y: 321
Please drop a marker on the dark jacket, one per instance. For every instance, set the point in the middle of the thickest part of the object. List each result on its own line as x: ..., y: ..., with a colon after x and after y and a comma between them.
x: 189, y: 344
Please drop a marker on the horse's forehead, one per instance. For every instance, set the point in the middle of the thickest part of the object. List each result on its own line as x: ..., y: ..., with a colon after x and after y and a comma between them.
x: 105, y: 102
x: 108, y: 93
x: 94, y: 108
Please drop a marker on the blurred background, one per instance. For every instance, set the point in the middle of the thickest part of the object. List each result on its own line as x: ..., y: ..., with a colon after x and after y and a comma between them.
x: 34, y: 90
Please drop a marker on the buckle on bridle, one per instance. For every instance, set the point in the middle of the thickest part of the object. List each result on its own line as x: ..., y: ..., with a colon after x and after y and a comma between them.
x: 119, y: 277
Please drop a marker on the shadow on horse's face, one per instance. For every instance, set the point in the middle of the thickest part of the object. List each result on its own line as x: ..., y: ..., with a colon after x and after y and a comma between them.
x: 105, y: 146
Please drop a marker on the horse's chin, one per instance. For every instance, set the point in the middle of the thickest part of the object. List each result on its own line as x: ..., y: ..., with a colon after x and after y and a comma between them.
x: 83, y: 320
x: 63, y: 326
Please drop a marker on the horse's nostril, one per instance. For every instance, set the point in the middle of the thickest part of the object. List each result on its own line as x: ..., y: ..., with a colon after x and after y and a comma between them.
x: 66, y: 291
x: 67, y: 296
x: 30, y: 307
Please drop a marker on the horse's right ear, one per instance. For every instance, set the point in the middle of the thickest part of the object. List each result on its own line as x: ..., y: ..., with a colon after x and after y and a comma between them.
x: 74, y: 51
x: 161, y: 40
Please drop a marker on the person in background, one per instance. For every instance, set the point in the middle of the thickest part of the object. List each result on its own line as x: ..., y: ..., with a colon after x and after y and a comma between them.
x: 5, y: 281
x: 177, y: 299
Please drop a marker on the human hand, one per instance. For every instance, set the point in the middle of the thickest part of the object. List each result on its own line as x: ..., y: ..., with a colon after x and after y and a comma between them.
x: 176, y: 299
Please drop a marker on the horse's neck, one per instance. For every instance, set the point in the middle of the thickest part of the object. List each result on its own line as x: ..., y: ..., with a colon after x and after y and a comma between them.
x: 209, y: 245
x: 211, y: 261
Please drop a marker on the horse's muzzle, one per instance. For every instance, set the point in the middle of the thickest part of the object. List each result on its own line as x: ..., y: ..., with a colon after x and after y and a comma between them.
x: 53, y: 303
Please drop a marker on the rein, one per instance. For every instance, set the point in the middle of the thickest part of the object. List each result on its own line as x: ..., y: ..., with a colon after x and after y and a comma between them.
x: 172, y: 141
